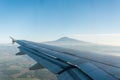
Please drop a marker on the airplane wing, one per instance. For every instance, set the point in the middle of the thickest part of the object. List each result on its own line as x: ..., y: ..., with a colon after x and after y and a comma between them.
x: 69, y: 64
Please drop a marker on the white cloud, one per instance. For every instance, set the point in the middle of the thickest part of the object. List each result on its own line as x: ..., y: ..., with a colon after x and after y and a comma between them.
x: 107, y: 39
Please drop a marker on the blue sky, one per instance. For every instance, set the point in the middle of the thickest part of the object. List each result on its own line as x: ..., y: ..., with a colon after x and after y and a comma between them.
x: 42, y: 20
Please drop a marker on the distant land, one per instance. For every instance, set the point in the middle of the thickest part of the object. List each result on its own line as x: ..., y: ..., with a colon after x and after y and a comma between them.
x: 68, y: 41
x: 14, y: 67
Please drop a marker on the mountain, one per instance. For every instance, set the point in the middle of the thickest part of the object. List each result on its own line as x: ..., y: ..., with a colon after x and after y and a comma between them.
x: 71, y: 43
x: 68, y: 41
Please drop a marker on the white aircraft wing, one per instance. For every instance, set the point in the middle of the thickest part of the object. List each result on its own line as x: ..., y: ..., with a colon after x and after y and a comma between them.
x: 70, y: 64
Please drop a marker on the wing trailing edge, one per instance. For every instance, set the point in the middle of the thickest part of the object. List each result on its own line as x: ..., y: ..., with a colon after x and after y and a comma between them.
x: 20, y: 53
x: 36, y: 67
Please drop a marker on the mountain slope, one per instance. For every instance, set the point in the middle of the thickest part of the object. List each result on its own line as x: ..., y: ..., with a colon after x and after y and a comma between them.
x: 67, y: 42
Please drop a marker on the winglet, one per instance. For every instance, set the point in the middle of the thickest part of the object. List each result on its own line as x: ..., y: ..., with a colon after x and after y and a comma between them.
x: 13, y: 40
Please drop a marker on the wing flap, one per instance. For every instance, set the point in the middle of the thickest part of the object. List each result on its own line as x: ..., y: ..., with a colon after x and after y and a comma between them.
x: 20, y: 53
x: 94, y: 72
x: 74, y: 74
x: 36, y: 66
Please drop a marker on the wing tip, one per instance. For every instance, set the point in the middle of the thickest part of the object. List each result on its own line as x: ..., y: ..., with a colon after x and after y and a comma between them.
x: 13, y: 40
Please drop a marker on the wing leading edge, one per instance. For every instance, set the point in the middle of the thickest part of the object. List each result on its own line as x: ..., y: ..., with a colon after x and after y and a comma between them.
x: 64, y: 65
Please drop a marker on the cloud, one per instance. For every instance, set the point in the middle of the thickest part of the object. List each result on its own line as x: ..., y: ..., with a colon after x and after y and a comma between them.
x: 106, y: 39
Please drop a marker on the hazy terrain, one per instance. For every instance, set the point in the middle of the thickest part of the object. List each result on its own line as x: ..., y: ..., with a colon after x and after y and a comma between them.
x: 14, y: 67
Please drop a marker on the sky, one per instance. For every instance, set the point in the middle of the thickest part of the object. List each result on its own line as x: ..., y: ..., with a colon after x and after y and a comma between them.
x: 43, y: 20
